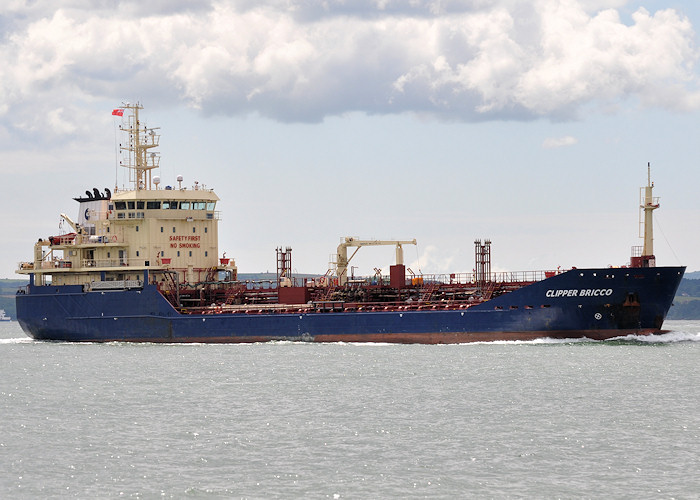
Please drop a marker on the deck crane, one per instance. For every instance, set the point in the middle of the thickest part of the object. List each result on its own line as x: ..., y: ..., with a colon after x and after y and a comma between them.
x: 76, y: 227
x: 342, y: 259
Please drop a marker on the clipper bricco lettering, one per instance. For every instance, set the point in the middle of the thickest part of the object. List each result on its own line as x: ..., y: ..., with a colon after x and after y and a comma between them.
x: 584, y: 292
x: 184, y: 241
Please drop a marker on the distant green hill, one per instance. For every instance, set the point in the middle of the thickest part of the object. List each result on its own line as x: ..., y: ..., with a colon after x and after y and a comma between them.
x: 8, y: 289
x: 686, y: 305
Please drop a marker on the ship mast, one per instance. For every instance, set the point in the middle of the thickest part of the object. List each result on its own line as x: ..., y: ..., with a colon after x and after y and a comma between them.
x: 141, y: 139
x: 644, y: 256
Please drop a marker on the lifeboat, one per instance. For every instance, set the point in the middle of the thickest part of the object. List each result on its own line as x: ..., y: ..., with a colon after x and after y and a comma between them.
x: 63, y: 239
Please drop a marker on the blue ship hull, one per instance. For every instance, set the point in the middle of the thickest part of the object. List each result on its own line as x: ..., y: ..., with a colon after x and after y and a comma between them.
x: 594, y: 303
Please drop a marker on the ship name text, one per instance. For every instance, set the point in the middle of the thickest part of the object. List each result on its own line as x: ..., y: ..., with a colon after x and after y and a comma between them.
x: 584, y: 292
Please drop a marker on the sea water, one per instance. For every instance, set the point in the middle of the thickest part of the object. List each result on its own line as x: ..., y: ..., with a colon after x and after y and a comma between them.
x: 543, y: 419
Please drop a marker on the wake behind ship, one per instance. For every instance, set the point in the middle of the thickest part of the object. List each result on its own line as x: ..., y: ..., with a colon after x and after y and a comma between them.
x: 142, y: 264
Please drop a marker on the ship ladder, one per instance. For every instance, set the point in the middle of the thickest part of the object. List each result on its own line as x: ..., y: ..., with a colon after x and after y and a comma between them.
x: 488, y: 290
x: 428, y: 291
x: 327, y: 293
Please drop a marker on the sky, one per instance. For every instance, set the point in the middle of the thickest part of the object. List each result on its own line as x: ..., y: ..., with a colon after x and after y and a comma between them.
x: 527, y: 122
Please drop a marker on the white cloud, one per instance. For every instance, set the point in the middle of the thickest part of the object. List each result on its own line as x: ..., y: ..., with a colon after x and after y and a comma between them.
x: 303, y: 61
x: 558, y: 142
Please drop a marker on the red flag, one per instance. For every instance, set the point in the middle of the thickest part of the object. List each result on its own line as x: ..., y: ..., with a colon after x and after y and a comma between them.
x: 118, y: 112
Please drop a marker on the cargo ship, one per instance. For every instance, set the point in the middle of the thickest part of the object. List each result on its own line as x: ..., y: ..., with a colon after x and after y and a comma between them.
x: 141, y: 263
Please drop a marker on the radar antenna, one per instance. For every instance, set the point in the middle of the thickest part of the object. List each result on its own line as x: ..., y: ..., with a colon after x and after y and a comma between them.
x: 141, y: 140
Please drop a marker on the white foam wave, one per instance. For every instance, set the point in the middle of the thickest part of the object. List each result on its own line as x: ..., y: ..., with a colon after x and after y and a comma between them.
x: 542, y: 340
x: 20, y: 340
x: 664, y: 338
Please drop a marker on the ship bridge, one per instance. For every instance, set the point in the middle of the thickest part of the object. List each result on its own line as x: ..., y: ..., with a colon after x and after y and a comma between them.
x: 121, y: 233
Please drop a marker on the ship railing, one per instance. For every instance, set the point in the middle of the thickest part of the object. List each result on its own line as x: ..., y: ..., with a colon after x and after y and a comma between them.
x: 113, y: 285
x: 497, y: 277
x: 458, y: 278
x: 103, y: 262
x: 87, y: 239
x: 324, y: 307
x: 118, y: 262
x: 164, y: 214
x: 523, y: 276
x: 56, y: 263
x: 59, y: 263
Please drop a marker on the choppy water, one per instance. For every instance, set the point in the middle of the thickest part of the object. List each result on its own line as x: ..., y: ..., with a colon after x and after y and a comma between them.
x: 538, y: 419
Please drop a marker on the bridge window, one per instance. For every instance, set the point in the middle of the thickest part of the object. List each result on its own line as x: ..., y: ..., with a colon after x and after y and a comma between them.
x: 153, y: 205
x: 120, y: 205
x: 184, y: 205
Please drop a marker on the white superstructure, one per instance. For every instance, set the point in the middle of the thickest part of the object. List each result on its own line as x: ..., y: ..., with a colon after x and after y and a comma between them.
x: 118, y: 235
